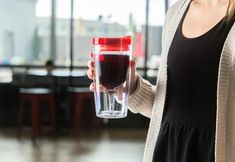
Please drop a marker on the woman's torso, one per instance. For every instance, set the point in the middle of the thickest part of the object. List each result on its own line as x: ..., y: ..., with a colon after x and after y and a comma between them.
x: 192, y: 75
x: 190, y: 107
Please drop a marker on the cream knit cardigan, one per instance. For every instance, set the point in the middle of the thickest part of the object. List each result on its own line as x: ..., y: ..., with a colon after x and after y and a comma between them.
x: 149, y: 99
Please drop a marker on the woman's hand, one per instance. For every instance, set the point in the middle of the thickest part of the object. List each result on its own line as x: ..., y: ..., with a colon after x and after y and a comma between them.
x: 133, y: 77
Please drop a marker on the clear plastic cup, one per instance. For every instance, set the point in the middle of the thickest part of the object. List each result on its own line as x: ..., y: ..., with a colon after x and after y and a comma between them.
x: 112, y: 76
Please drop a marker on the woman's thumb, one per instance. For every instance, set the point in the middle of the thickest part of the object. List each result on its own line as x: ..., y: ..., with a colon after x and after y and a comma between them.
x: 133, y: 66
x: 133, y: 70
x: 133, y: 76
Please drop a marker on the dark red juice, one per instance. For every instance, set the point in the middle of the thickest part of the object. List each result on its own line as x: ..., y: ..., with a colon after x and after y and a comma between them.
x: 113, y: 69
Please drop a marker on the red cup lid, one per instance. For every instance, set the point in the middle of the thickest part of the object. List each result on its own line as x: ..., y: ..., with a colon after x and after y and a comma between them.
x: 121, y: 41
x: 114, y: 48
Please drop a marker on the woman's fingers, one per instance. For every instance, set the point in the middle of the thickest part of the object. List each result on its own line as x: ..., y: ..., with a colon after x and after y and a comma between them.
x: 91, y: 74
x: 118, y: 94
x: 133, y: 67
x: 97, y: 89
x: 91, y: 54
x: 91, y: 64
x: 91, y: 70
x: 134, y: 77
x: 92, y: 87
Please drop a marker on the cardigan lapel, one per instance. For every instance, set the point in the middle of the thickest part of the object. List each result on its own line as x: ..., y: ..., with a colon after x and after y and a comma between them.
x: 225, y: 111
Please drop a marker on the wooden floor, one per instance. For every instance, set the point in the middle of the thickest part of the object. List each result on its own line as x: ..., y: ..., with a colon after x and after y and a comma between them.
x: 119, y: 145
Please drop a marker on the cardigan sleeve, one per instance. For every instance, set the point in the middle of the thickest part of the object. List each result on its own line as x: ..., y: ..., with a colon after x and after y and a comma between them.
x: 142, y: 100
x: 230, y: 107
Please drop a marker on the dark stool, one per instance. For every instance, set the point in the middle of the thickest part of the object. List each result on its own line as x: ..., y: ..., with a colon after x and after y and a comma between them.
x: 35, y: 96
x: 76, y: 98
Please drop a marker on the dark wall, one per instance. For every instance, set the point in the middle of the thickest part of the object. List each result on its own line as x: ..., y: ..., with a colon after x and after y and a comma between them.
x: 9, y: 105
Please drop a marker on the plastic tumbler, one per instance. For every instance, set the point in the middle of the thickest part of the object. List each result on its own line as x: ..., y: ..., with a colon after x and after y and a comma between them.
x: 112, y: 76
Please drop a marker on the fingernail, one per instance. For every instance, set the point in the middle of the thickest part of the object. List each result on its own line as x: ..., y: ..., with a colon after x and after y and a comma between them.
x: 132, y: 63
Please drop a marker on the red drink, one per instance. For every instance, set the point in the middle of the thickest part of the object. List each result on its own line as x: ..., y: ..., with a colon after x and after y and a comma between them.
x: 113, y: 69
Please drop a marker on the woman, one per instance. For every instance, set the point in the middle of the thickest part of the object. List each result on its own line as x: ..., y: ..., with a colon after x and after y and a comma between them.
x: 192, y: 106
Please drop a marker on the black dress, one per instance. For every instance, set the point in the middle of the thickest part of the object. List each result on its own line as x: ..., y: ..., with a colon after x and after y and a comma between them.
x: 187, y: 131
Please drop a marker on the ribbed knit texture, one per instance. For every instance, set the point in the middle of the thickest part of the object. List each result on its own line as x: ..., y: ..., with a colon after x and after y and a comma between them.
x: 144, y: 88
x: 149, y: 100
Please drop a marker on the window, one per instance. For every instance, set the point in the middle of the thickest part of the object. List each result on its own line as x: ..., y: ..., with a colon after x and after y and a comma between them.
x: 32, y: 32
x: 22, y: 31
x: 8, y: 45
x: 156, y: 21
x: 107, y: 18
x: 62, y: 35
x: 41, y: 41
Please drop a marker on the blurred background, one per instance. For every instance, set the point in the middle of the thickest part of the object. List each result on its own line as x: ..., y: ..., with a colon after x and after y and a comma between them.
x: 44, y: 49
